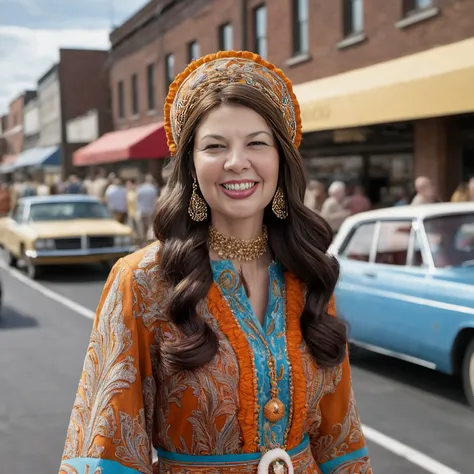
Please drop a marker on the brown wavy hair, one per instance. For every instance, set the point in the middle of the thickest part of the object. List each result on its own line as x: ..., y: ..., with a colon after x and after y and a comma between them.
x: 299, y: 242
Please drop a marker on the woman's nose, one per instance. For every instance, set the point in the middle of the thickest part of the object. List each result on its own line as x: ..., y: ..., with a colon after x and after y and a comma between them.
x: 237, y: 160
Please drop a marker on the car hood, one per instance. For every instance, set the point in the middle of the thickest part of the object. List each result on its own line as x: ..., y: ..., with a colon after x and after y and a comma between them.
x: 77, y: 227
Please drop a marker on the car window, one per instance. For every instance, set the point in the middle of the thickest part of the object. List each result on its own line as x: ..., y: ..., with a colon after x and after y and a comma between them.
x: 18, y: 213
x: 360, y: 243
x: 451, y: 239
x: 393, y: 241
x: 56, y: 211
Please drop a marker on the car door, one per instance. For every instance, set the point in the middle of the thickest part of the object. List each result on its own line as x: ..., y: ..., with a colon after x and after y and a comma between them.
x: 447, y: 294
x: 354, y: 257
x: 398, y: 281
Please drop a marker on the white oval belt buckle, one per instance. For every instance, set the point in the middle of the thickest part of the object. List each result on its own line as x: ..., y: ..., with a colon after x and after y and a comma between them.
x: 270, y: 458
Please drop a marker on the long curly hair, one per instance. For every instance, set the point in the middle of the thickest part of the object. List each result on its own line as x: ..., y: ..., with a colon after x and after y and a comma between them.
x: 299, y: 242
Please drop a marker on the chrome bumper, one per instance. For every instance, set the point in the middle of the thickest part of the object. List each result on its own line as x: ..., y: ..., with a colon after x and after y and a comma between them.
x: 33, y: 254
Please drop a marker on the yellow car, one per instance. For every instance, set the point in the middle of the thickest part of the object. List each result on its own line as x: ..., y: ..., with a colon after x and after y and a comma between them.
x: 62, y: 229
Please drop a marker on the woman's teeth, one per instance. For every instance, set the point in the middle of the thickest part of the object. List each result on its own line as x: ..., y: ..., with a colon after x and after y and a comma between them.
x: 238, y: 186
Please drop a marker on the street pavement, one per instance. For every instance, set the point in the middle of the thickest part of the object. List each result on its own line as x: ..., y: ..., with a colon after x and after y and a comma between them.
x: 416, y: 420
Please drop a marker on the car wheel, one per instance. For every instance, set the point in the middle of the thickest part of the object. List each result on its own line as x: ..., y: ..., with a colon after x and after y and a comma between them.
x: 32, y: 270
x: 468, y: 373
x: 12, y: 261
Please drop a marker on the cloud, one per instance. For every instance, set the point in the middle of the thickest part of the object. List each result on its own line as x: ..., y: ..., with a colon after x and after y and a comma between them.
x: 25, y: 55
x: 53, y: 14
x: 32, y: 31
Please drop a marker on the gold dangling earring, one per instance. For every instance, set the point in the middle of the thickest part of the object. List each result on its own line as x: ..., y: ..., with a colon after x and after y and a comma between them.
x: 197, y: 209
x: 279, y: 206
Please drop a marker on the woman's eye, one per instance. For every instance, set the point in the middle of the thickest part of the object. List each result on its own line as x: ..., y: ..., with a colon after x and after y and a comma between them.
x: 213, y: 146
x: 257, y: 143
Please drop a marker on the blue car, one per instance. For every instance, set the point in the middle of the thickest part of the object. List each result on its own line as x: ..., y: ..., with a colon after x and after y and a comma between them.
x: 407, y: 285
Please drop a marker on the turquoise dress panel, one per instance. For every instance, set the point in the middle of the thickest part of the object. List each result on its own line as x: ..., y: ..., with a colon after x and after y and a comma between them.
x: 273, y: 333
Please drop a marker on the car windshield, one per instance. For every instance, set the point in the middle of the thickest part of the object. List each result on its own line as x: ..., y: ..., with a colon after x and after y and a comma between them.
x: 58, y: 211
x: 451, y: 239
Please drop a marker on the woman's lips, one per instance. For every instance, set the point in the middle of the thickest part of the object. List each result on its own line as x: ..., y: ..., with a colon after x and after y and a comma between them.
x: 239, y: 193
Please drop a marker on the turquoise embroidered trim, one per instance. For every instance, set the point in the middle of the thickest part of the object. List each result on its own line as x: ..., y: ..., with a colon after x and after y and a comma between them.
x: 272, y: 435
x: 329, y: 466
x: 89, y: 466
x: 225, y: 458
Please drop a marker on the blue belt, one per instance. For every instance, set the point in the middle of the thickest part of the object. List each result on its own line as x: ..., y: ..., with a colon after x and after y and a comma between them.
x: 224, y: 458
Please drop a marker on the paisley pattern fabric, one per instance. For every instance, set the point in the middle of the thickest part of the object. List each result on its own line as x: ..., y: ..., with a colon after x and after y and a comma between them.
x: 128, y: 405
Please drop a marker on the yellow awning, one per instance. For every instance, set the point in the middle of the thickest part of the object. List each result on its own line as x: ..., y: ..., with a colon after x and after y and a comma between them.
x: 433, y: 83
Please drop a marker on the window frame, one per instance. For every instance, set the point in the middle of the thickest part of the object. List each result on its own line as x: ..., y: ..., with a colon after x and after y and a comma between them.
x: 350, y: 236
x: 150, y: 85
x: 257, y: 39
x: 168, y: 79
x: 135, y: 98
x: 348, y: 9
x: 222, y: 36
x: 416, y: 233
x: 298, y: 31
x: 399, y: 219
x: 191, y: 45
x: 121, y: 99
x: 411, y: 7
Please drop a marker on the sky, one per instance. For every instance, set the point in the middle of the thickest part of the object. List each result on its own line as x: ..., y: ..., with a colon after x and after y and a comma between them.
x: 32, y: 31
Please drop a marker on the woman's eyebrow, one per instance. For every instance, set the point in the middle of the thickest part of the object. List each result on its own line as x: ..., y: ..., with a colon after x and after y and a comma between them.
x: 216, y: 137
x: 254, y: 134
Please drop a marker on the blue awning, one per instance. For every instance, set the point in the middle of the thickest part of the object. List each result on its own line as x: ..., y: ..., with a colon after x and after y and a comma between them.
x: 36, y: 157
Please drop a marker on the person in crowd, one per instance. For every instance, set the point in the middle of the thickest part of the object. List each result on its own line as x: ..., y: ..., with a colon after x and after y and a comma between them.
x: 132, y: 205
x: 358, y: 201
x: 425, y: 191
x: 74, y: 185
x: 99, y: 185
x: 315, y: 195
x: 29, y: 187
x: 334, y: 209
x: 461, y: 194
x: 43, y: 189
x: 116, y: 198
x: 218, y: 345
x: 147, y: 194
x: 88, y: 185
x: 403, y: 197
x: 470, y: 189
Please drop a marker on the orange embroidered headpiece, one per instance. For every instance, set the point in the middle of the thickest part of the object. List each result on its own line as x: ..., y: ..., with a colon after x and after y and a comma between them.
x: 220, y: 69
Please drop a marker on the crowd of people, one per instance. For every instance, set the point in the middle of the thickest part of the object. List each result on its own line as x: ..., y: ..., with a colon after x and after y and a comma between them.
x: 341, y: 201
x: 133, y: 203
x: 129, y: 202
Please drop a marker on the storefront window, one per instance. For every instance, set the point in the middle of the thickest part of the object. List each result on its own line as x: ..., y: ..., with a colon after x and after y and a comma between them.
x: 389, y: 177
x: 336, y: 168
x: 385, y: 178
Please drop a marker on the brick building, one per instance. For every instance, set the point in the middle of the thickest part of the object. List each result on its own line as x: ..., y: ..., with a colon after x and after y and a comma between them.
x: 382, y: 97
x: 13, y: 133
x: 76, y: 85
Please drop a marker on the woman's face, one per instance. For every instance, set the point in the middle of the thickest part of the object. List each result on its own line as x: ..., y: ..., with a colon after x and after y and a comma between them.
x: 236, y: 161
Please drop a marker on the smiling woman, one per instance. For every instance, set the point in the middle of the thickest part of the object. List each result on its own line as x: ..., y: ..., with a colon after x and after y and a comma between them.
x: 218, y: 345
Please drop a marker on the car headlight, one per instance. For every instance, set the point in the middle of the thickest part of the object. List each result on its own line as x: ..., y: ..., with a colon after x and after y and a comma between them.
x: 44, y: 244
x: 122, y: 240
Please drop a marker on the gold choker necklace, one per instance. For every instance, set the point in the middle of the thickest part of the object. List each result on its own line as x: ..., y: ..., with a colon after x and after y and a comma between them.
x: 230, y: 248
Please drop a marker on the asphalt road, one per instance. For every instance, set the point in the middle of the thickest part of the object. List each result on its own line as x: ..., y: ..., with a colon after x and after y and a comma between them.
x: 416, y: 420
